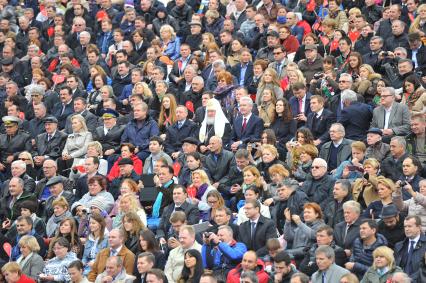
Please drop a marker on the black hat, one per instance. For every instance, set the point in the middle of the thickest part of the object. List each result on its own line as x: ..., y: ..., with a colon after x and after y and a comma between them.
x: 7, y: 61
x: 50, y: 119
x: 125, y: 161
x: 389, y: 211
x: 55, y: 180
x: 190, y: 140
x: 273, y: 33
x: 375, y: 131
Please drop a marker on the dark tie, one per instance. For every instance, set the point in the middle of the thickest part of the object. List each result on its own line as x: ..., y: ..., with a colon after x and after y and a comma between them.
x: 244, y: 123
x: 323, y: 277
x: 253, y: 229
x: 408, y: 267
x: 49, y: 137
x: 63, y: 108
x: 113, y: 252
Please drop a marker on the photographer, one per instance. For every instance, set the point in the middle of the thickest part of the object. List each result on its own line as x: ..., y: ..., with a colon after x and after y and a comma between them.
x: 221, y: 252
x: 364, y: 189
x: 388, y: 65
x: 411, y: 168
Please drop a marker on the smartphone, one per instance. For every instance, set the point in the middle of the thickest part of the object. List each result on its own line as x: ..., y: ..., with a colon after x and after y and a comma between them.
x: 355, y: 168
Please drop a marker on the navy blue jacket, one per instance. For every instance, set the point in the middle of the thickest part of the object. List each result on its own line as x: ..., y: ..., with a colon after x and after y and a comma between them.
x: 362, y: 256
x: 248, y: 76
x: 356, y: 119
x: 252, y: 131
x: 139, y: 137
x: 175, y: 136
x: 401, y: 251
x: 294, y: 106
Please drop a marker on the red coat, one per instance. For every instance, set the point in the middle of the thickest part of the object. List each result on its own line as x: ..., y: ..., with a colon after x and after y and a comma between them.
x: 25, y: 279
x: 115, y: 170
x: 234, y: 274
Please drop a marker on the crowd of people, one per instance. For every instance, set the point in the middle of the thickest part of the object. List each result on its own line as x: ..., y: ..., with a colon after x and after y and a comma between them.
x: 249, y: 141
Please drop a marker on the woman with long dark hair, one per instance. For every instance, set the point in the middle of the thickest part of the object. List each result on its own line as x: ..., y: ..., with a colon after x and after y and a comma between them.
x: 283, y: 125
x: 193, y: 267
x: 148, y: 243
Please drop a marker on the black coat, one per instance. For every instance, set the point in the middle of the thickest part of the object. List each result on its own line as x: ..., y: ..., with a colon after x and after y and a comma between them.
x: 392, y: 169
x: 219, y: 169
x: 320, y: 126
x: 319, y: 190
x: 333, y: 212
x: 14, y: 145
x: 175, y: 136
x: 36, y: 127
x: 393, y: 235
x: 284, y: 131
x: 401, y: 251
x: 294, y: 203
x: 352, y: 234
x: 112, y: 139
x: 356, y: 119
x: 62, y: 118
x: 192, y: 217
x: 234, y: 176
x: 53, y: 148
x: 248, y: 76
x: 265, y: 229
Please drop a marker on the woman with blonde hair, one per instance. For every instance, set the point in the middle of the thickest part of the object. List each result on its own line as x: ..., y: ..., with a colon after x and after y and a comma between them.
x: 385, y: 188
x: 142, y: 89
x: 269, y: 157
x: 28, y: 159
x: 170, y: 44
x: 61, y: 210
x: 293, y: 76
x: 419, y: 23
x: 12, y: 273
x: 267, y: 107
x: 269, y: 80
x: 368, y: 78
x: 129, y: 203
x: 127, y: 186
x: 76, y: 145
x: 383, y: 267
x: 167, y: 115
x: 207, y: 40
x: 364, y: 190
x: 30, y: 261
x: 201, y: 187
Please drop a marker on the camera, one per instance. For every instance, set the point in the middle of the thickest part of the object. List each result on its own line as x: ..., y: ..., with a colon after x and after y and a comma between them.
x: 403, y: 184
x: 207, y: 234
x: 318, y: 76
x: 385, y: 53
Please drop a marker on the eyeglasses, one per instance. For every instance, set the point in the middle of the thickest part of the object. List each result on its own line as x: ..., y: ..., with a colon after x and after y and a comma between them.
x: 342, y: 81
x: 24, y: 159
x: 277, y: 53
x: 386, y: 95
x: 316, y: 167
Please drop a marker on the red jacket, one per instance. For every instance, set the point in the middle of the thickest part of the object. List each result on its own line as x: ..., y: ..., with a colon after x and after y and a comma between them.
x: 115, y: 170
x: 25, y: 279
x: 234, y: 274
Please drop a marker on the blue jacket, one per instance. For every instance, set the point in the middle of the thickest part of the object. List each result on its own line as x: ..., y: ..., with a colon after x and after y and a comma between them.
x: 223, y: 256
x: 363, y: 257
x: 127, y: 91
x: 173, y: 49
x: 91, y: 251
x: 356, y: 119
x: 139, y: 137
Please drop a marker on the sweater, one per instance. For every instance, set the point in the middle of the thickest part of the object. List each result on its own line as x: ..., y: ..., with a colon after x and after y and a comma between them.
x: 59, y: 267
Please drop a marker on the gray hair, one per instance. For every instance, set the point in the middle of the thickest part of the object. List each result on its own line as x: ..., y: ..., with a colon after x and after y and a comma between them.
x: 20, y: 181
x: 251, y: 275
x: 219, y: 64
x: 118, y: 260
x: 400, y: 140
x: 199, y: 79
x: 402, y: 50
x: 326, y: 250
x: 349, y: 77
x: 190, y: 68
x: 346, y: 184
x: 348, y: 96
x: 85, y: 33
x: 290, y: 184
x: 227, y: 228
x: 405, y: 278
x: 377, y: 37
x: 19, y: 163
x: 390, y: 90
x: 302, y: 276
x: 340, y: 127
x: 247, y: 99
x: 352, y: 205
x: 321, y: 162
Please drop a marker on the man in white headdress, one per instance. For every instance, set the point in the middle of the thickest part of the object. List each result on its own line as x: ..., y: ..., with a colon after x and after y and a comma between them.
x: 215, y: 123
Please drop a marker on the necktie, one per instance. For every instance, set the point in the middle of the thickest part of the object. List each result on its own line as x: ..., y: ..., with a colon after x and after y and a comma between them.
x: 63, y: 108
x: 49, y: 137
x: 408, y: 267
x: 244, y: 124
x: 179, y: 125
x: 113, y: 252
x: 346, y: 231
x: 253, y: 229
x: 323, y: 277
x: 301, y: 105
x: 279, y: 67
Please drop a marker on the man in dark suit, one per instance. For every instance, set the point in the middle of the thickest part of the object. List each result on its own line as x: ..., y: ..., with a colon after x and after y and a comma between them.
x: 411, y: 251
x: 179, y: 204
x: 417, y: 51
x: 64, y: 108
x: 244, y: 71
x: 56, y: 188
x: 247, y: 126
x: 49, y: 144
x: 218, y: 161
x: 300, y: 103
x: 255, y: 232
x: 80, y: 107
x: 176, y: 133
x: 319, y: 120
x: 391, y: 167
x: 355, y: 117
x: 36, y: 124
x: 176, y: 74
x: 109, y: 135
x: 239, y: 15
x: 91, y: 165
x: 347, y: 231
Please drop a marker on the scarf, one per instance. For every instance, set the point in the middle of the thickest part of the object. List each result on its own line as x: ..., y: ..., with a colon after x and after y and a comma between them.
x: 245, y: 187
x: 412, y: 98
x: 201, y: 190
x: 23, y: 260
x: 157, y: 204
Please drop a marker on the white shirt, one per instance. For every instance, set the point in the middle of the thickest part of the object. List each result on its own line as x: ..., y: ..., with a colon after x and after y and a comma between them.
x: 387, y: 116
x: 319, y: 113
x: 247, y: 118
x: 416, y: 239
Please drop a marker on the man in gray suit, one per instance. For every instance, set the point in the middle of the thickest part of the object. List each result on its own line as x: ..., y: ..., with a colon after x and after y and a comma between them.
x: 391, y: 117
x: 328, y: 272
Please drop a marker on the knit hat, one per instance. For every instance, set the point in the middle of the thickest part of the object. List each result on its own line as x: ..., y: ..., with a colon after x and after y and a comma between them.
x: 98, y: 203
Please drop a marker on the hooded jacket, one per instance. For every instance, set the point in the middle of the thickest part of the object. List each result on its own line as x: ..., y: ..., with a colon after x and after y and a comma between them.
x: 234, y: 274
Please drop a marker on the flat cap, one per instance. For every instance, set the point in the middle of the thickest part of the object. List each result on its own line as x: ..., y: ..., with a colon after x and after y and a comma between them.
x: 191, y: 140
x: 273, y: 33
x: 50, y: 119
x: 375, y: 131
x: 125, y: 161
x: 55, y: 180
x: 7, y: 61
x: 310, y: 47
